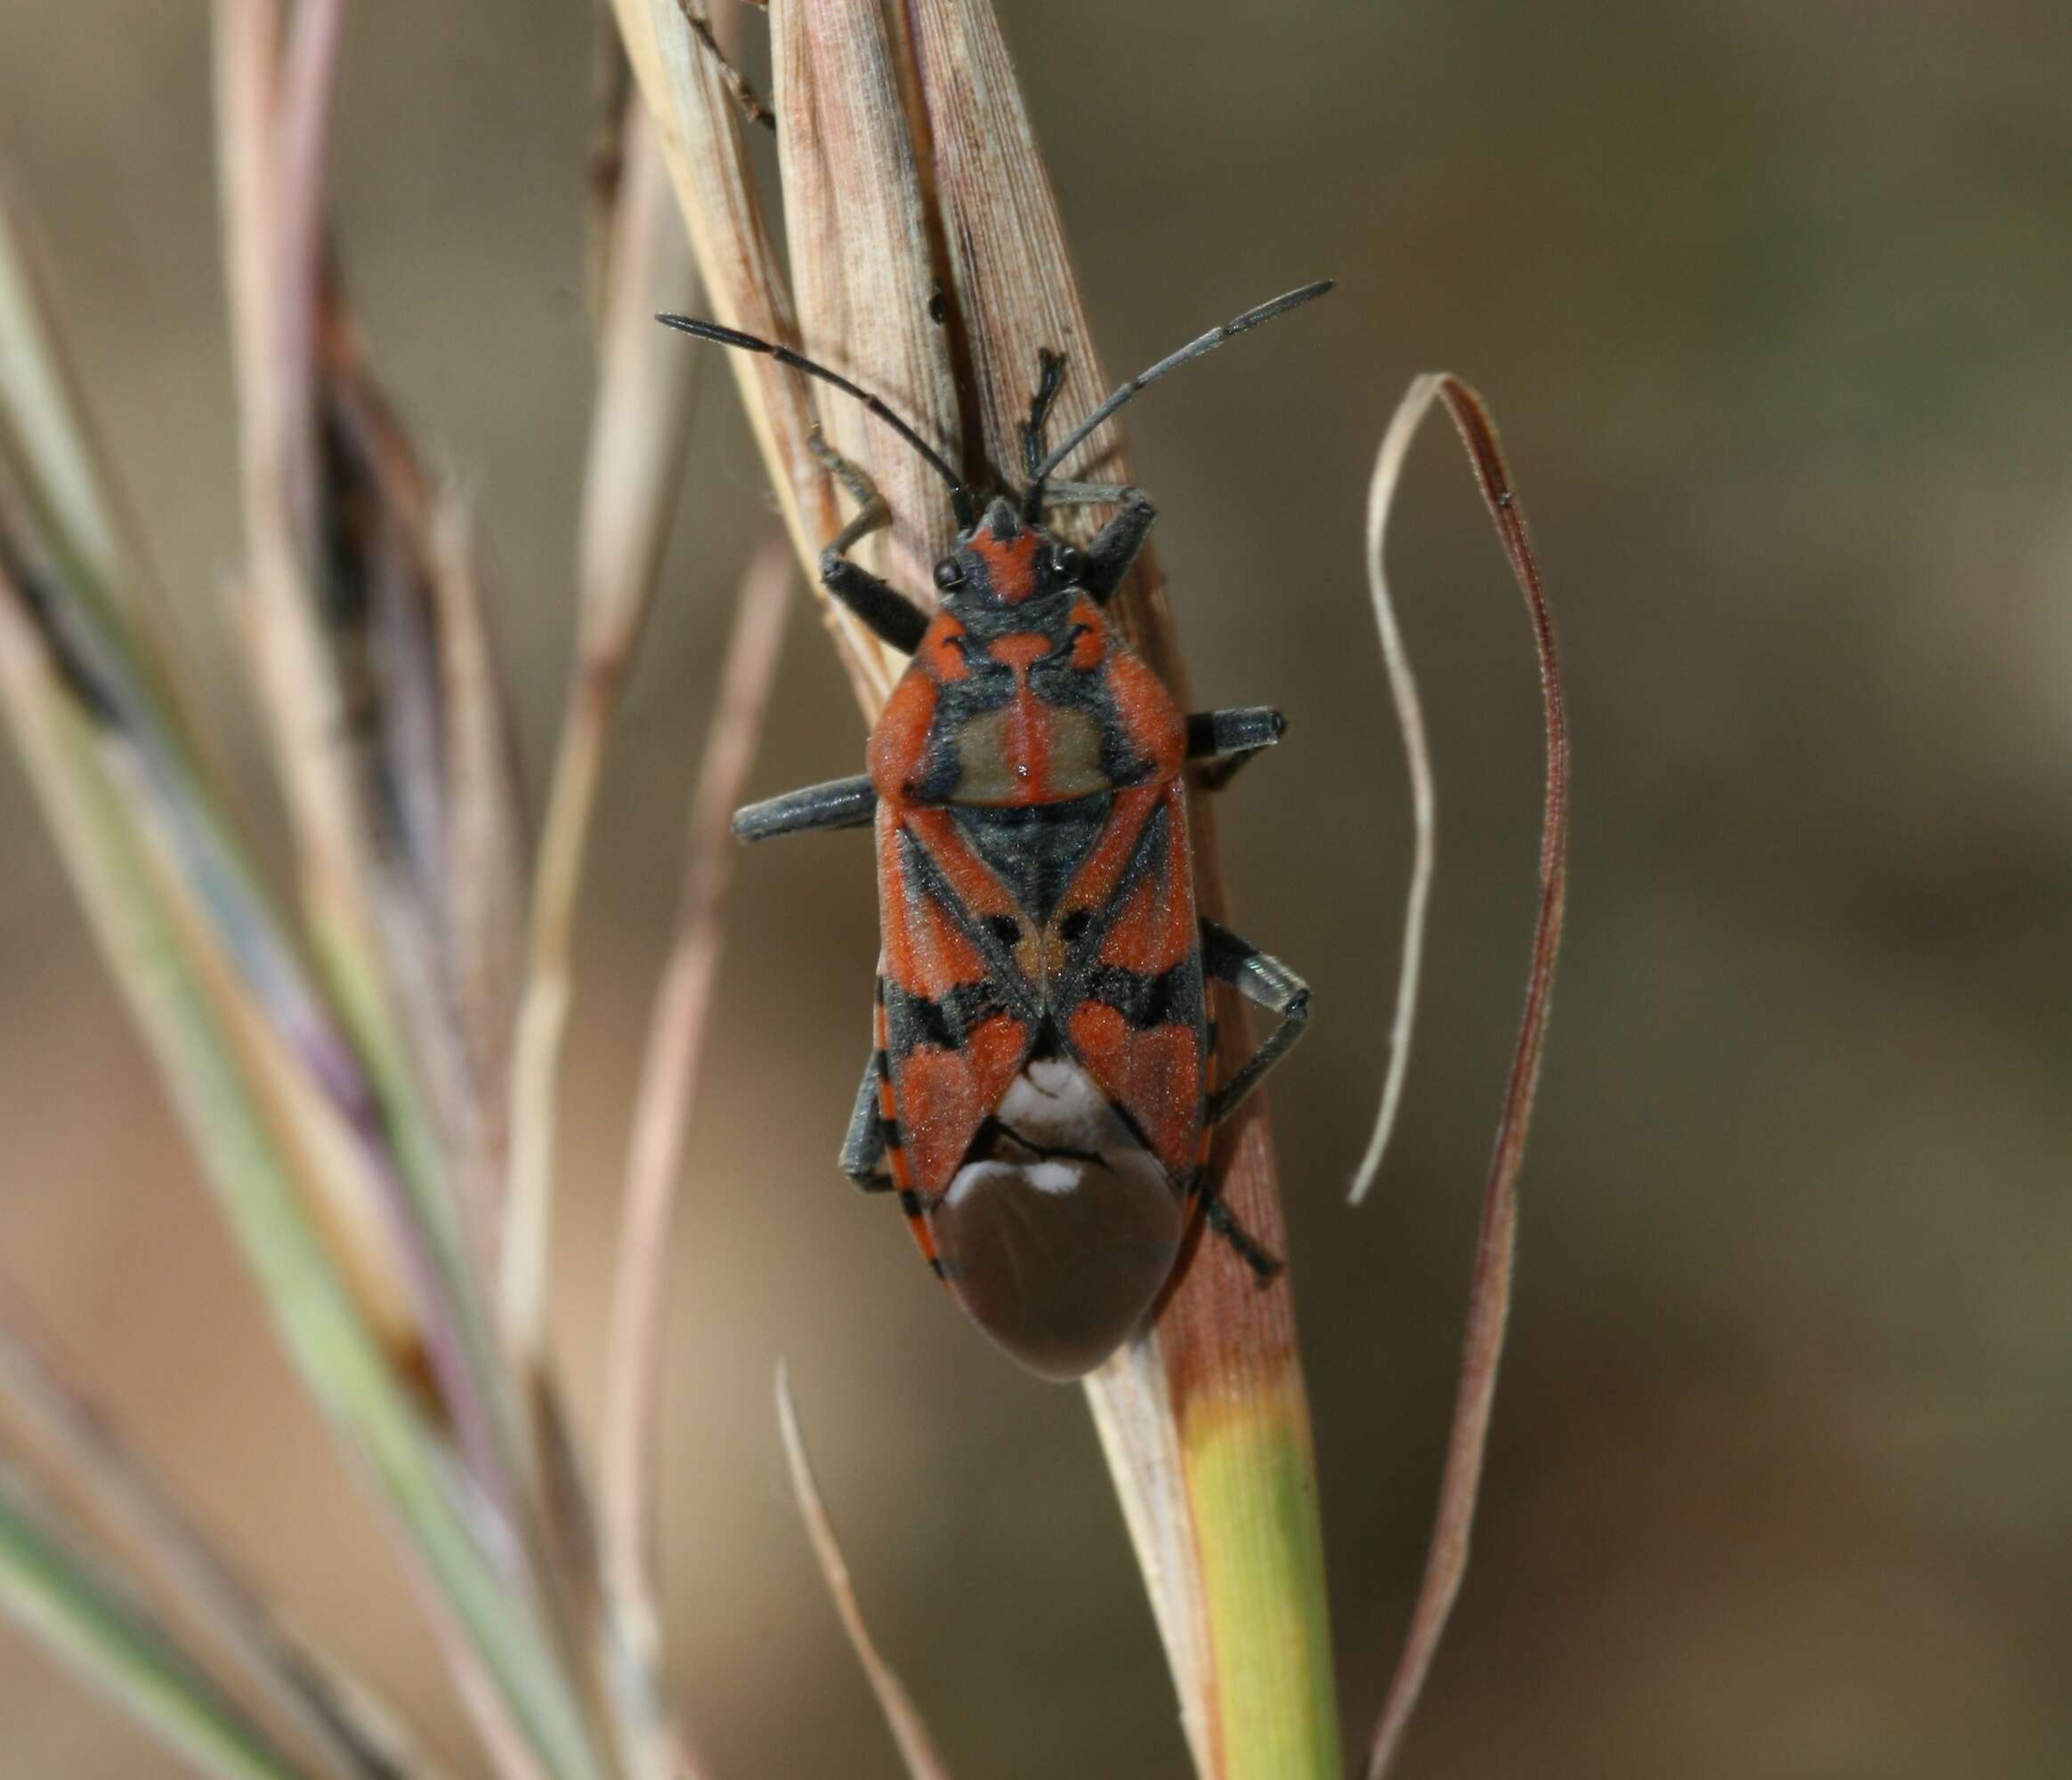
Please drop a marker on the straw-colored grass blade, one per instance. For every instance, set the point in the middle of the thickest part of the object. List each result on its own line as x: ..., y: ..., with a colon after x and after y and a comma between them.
x: 220, y: 1055
x: 670, y: 1066
x: 1423, y: 793
x: 646, y: 385
x: 1007, y: 272
x: 856, y: 218
x: 639, y: 427
x: 660, y: 1123
x: 672, y: 49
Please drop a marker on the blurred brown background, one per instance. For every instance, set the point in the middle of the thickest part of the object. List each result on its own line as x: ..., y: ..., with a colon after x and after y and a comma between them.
x: 1772, y: 302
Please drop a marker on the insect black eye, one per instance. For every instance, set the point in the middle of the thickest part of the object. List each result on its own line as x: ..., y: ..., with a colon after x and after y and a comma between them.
x: 1069, y: 563
x: 948, y: 574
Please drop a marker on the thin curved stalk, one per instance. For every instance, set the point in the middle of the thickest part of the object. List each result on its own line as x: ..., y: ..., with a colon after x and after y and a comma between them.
x: 668, y: 1080
x: 1423, y: 794
x: 1489, y: 1288
x: 909, y: 1731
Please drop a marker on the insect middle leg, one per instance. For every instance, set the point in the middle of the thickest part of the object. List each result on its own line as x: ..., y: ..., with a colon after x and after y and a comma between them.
x: 838, y: 803
x: 871, y: 1153
x: 1229, y: 738
x: 884, y: 611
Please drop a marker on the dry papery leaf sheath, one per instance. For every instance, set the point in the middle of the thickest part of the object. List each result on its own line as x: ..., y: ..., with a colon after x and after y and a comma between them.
x: 929, y: 265
x: 367, y: 1070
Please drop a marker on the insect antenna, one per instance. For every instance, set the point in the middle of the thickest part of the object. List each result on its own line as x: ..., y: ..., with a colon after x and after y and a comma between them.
x: 1194, y: 349
x: 959, y: 495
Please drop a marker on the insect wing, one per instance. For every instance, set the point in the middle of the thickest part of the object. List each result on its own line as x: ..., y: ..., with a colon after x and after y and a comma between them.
x: 1137, y: 1016
x: 960, y: 1018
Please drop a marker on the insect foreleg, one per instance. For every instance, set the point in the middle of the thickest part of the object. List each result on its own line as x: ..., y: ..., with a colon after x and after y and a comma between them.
x: 1049, y: 380
x: 884, y: 612
x: 1114, y: 548
x: 1228, y: 739
x: 1264, y: 980
x: 863, y: 1149
x: 839, y: 803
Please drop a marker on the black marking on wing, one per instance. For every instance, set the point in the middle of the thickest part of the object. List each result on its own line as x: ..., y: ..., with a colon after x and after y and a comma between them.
x: 1172, y: 998
x: 946, y: 1024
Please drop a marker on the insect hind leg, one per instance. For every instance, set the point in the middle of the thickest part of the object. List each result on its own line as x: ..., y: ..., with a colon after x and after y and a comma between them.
x: 1265, y: 1264
x: 865, y: 1146
x: 1263, y: 980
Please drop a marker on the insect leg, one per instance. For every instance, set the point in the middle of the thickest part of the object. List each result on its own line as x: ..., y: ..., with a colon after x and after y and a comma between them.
x: 839, y: 803
x: 863, y: 1149
x: 884, y: 612
x: 1049, y: 379
x: 1229, y: 738
x: 1261, y: 979
x: 1220, y: 1219
x: 1115, y: 547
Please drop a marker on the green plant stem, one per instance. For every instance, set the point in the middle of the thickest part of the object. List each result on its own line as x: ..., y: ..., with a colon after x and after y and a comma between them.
x: 55, y: 1591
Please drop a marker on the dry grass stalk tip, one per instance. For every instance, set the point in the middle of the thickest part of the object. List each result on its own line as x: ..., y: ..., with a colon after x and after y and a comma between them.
x: 914, y: 190
x: 929, y: 266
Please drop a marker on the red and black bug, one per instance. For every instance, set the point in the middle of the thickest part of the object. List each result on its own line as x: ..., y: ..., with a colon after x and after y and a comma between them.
x: 1040, y: 1091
